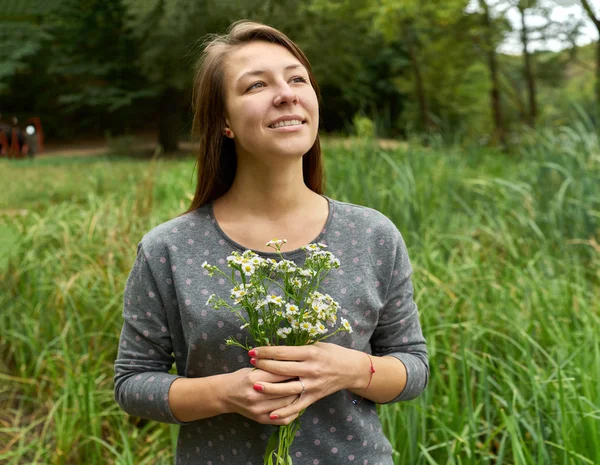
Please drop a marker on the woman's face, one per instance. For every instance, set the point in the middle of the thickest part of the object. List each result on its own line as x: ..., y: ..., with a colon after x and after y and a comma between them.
x: 264, y: 85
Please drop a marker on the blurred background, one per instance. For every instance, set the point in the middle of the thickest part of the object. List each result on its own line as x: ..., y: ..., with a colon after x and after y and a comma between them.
x: 476, y: 70
x: 472, y: 124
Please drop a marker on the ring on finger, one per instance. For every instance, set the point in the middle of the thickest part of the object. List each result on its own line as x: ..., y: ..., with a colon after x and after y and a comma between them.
x: 303, y: 387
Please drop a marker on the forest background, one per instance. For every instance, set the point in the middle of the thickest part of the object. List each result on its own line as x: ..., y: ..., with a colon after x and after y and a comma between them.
x: 121, y: 67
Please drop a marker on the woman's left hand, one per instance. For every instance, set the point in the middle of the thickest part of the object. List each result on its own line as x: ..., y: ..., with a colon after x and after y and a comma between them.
x: 323, y: 369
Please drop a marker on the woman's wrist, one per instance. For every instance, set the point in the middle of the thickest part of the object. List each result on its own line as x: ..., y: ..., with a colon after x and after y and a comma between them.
x: 359, y: 372
x: 193, y: 399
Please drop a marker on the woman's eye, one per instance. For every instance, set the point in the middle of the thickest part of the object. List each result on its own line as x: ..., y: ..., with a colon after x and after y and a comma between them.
x: 253, y: 86
x: 261, y: 84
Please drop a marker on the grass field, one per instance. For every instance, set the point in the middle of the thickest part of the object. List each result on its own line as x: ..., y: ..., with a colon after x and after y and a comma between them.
x: 506, y: 253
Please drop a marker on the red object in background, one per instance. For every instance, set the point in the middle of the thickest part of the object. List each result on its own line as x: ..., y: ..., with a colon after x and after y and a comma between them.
x: 21, y: 143
x: 15, y: 147
x: 3, y: 144
x: 38, y: 130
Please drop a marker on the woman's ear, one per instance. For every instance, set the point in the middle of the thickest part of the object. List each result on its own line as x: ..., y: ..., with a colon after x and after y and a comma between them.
x: 227, y: 131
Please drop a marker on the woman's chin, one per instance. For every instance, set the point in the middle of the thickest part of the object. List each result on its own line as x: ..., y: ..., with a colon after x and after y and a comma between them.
x: 293, y: 148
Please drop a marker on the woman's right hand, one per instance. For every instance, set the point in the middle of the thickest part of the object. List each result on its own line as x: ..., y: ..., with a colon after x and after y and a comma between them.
x: 240, y: 396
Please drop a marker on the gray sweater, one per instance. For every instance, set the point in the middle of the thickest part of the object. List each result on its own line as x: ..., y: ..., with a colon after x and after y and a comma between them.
x: 165, y: 320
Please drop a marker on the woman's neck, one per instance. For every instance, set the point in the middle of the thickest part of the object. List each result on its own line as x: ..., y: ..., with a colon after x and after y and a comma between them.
x: 269, y: 193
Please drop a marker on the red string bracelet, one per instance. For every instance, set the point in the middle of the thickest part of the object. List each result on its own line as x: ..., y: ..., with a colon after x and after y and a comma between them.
x: 354, y: 401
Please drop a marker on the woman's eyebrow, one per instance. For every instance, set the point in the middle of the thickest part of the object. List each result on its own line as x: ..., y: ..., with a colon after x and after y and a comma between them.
x: 260, y: 72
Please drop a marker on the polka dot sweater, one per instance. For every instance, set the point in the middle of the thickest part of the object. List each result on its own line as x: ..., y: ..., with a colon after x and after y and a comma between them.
x: 165, y: 320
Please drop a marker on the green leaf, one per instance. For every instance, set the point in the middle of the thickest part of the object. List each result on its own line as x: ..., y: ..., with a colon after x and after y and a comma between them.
x: 272, y: 444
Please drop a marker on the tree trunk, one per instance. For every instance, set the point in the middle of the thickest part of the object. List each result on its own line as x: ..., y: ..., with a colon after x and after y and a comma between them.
x: 168, y: 120
x: 499, y: 132
x: 528, y: 70
x: 596, y: 21
x: 598, y: 80
x: 424, y: 119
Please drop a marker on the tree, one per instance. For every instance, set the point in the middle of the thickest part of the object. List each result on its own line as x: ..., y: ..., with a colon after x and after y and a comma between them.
x: 528, y: 72
x: 490, y: 44
x: 596, y: 20
x: 94, y: 54
x: 22, y: 37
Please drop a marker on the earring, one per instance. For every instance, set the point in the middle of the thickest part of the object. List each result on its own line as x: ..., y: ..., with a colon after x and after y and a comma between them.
x: 228, y: 133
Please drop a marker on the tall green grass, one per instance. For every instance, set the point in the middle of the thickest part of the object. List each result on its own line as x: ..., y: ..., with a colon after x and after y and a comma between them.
x: 506, y: 255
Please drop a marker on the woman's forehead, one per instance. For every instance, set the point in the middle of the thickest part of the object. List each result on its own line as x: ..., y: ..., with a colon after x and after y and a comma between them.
x: 258, y: 56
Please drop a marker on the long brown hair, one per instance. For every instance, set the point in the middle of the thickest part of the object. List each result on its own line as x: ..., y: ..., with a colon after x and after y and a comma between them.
x: 216, y: 158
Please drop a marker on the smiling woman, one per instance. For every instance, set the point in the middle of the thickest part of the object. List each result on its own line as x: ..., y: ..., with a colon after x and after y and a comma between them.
x: 260, y: 176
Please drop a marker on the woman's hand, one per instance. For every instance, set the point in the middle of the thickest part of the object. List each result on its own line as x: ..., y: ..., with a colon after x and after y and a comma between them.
x: 241, y: 397
x: 323, y: 369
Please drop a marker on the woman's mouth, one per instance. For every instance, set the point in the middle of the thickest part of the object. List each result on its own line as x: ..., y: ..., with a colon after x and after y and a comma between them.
x: 291, y: 124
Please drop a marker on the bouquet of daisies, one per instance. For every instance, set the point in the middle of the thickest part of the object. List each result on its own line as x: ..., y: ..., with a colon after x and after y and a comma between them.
x: 295, y: 314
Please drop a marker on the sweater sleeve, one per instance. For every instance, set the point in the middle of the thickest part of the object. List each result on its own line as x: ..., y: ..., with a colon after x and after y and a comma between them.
x: 142, y: 378
x: 398, y: 332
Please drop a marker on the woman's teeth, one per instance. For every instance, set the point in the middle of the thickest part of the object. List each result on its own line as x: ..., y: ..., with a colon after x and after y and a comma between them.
x: 292, y: 122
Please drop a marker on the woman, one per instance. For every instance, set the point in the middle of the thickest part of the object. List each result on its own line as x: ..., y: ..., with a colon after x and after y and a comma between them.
x: 260, y: 176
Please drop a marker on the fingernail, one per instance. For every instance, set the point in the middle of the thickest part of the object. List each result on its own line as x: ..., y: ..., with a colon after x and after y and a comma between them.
x: 253, y: 361
x: 252, y: 353
x: 258, y: 387
x: 273, y: 416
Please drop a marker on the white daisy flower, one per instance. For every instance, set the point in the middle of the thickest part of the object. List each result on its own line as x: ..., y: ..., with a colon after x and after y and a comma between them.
x: 238, y: 294
x: 291, y: 309
x: 286, y: 266
x: 276, y: 243
x: 305, y: 326
x: 248, y: 269
x: 346, y: 325
x: 275, y: 299
x: 307, y: 273
x: 281, y: 333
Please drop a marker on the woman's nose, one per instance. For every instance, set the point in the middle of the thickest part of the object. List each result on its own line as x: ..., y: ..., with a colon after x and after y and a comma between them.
x: 285, y: 94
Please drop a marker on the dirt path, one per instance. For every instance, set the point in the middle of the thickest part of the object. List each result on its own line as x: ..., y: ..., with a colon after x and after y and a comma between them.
x: 100, y: 147
x: 82, y: 150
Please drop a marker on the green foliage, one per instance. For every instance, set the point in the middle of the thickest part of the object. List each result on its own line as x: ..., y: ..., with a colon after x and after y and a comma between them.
x: 363, y: 126
x: 412, y: 67
x: 20, y: 42
x: 94, y: 55
x: 506, y: 271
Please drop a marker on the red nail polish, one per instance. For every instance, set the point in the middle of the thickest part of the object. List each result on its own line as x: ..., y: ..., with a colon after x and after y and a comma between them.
x: 252, y: 352
x: 253, y: 361
x: 258, y: 387
x: 273, y: 416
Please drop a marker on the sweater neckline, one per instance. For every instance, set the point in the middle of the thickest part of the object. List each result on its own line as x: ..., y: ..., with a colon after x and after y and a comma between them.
x: 288, y: 255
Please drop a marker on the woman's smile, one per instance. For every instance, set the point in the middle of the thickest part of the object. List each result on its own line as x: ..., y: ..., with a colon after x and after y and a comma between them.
x: 288, y: 126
